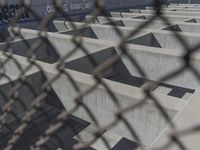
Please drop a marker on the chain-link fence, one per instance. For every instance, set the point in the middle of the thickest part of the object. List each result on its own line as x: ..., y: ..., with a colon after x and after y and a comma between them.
x: 117, y: 80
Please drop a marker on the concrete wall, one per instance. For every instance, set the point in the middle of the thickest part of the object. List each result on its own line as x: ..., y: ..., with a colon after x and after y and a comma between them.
x: 171, y: 18
x: 99, y: 101
x: 195, y: 20
x: 178, y: 9
x: 166, y: 39
x: 136, y: 15
x: 99, y: 19
x: 60, y: 25
x: 185, y: 27
x: 146, y: 40
x: 103, y: 108
x: 184, y: 1
x: 134, y: 23
x: 85, y: 32
x: 63, y: 26
x: 157, y: 63
x: 84, y: 64
x: 106, y: 32
x: 13, y: 67
x: 59, y: 41
x: 165, y: 12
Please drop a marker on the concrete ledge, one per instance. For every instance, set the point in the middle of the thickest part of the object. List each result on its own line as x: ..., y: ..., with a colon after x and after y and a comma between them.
x: 171, y: 18
x: 174, y: 13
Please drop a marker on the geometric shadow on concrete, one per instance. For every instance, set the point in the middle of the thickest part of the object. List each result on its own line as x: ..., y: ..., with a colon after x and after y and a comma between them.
x: 84, y: 32
x: 46, y: 115
x: 119, y: 72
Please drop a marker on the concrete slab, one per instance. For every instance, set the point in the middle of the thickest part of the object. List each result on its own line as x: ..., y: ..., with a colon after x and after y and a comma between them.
x: 157, y: 68
x: 103, y: 104
x: 171, y: 18
x: 184, y: 27
x: 128, y: 22
x: 166, y: 12
x: 157, y: 62
x: 164, y: 39
x: 120, y: 73
x: 106, y: 32
x: 59, y: 41
x: 176, y: 9
x: 103, y: 112
x: 171, y: 103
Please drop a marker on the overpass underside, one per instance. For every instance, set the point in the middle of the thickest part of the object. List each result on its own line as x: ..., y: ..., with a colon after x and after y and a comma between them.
x: 117, y: 82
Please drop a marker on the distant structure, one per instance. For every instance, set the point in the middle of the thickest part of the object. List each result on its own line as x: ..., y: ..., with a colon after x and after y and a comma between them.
x: 75, y: 9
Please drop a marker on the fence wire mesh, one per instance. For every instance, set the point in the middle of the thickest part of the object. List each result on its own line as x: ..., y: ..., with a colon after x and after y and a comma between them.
x: 31, y: 119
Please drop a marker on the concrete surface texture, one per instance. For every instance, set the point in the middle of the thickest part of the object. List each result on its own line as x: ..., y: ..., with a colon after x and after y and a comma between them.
x: 155, y: 48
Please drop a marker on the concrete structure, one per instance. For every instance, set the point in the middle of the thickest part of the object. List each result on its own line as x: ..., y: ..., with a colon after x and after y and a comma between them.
x: 155, y: 48
x: 184, y: 2
x: 75, y: 9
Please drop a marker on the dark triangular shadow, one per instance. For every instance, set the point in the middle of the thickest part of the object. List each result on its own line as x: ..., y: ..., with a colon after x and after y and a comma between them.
x: 116, y: 23
x: 118, y: 72
x: 146, y: 40
x: 45, y: 52
x: 86, y: 32
x: 175, y: 28
x: 139, y: 17
x: 125, y: 144
x: 193, y: 20
x: 88, y: 63
x: 155, y: 42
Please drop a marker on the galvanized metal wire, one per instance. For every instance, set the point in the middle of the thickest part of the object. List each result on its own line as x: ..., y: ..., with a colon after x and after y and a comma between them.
x: 12, y: 134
